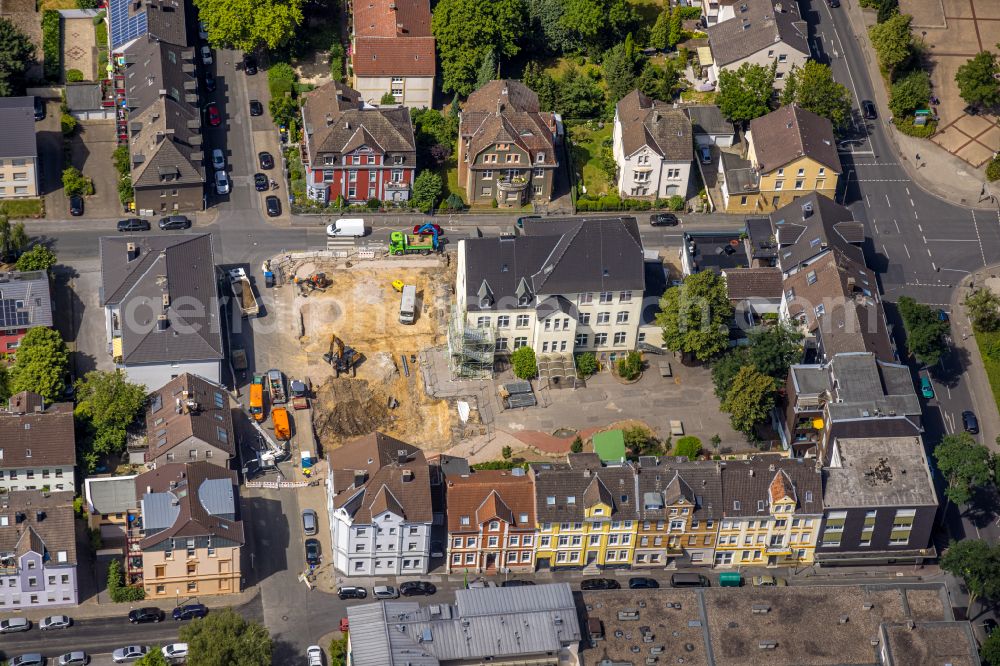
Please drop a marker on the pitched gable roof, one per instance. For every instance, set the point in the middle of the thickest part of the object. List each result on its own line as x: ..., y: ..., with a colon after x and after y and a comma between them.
x: 507, y: 111
x: 36, y: 438
x: 791, y: 132
x: 335, y: 122
x: 494, y: 507
x: 46, y: 525
x: 580, y: 483
x: 189, y: 407
x: 656, y: 125
x: 597, y: 493
x: 17, y: 117
x: 748, y: 486
x: 812, y: 224
x: 759, y: 27
x: 781, y: 487
x: 483, y: 495
x: 744, y: 283
x: 393, y: 38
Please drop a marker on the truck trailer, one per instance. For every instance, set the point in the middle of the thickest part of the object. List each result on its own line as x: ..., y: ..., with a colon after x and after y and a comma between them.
x: 402, y: 243
x: 243, y: 292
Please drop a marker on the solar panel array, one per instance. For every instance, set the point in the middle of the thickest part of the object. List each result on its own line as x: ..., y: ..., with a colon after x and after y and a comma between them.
x: 125, y: 28
x: 10, y: 315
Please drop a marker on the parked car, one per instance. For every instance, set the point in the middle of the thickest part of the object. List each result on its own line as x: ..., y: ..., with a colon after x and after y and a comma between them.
x: 521, y: 220
x: 144, y: 615
x: 256, y: 108
x: 30, y: 659
x: 14, y: 624
x: 416, y: 588
x: 314, y: 655
x: 385, y: 592
x: 209, y: 82
x: 312, y: 552
x: 76, y: 205
x: 39, y: 108
x: 249, y: 65
x: 206, y: 55
x: 218, y: 159
x: 352, y: 592
x: 926, y: 389
x: 133, y: 224
x: 273, y: 205
x: 599, y: 584
x: 75, y: 658
x: 175, y: 651
x: 868, y: 110
x: 129, y: 653
x: 189, y: 612
x: 480, y: 583
x: 266, y: 161
x: 260, y: 182
x: 970, y: 422
x: 705, y: 153
x: 663, y: 220
x: 517, y: 582
x: 768, y: 581
x: 55, y: 622
x: 833, y: 4
x: 641, y: 583
x: 214, y: 117
x: 221, y: 182
x: 174, y: 222
x: 310, y: 524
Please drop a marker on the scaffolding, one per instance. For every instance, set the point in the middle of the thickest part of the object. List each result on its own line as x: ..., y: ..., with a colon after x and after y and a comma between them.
x: 470, y: 349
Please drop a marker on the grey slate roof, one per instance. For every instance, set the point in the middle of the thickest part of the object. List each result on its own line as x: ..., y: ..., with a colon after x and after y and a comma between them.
x: 557, y: 256
x: 879, y: 471
x: 708, y: 119
x: 757, y: 28
x: 169, y: 424
x: 580, y: 482
x: 32, y: 290
x: 507, y: 111
x: 811, y: 224
x: 746, y: 483
x: 335, y: 123
x: 17, y: 118
x: 187, y: 263
x: 701, y: 480
x: 166, y: 145
x: 83, y: 96
x: 655, y: 124
x: 111, y: 494
x: 788, y: 133
x: 30, y: 438
x: 54, y: 533
x: 152, y: 66
x: 761, y: 238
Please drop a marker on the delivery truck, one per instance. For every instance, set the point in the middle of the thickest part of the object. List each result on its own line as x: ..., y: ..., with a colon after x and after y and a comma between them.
x: 257, y: 398
x: 403, y: 243
x: 243, y: 292
x: 282, y: 429
x: 349, y: 226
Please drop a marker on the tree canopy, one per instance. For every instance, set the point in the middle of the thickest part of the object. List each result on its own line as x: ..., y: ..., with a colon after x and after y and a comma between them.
x: 773, y: 349
x: 42, y: 364
x: 749, y: 400
x: 925, y: 331
x: 812, y: 87
x: 695, y: 316
x: 965, y: 464
x: 989, y: 651
x: 13, y: 238
x: 892, y: 41
x: 745, y: 94
x: 223, y: 637
x: 977, y: 563
x: 976, y: 79
x: 983, y: 307
x: 524, y: 362
x: 909, y: 93
x: 153, y: 658
x: 38, y: 258
x: 107, y: 404
x: 466, y: 29
x: 619, y: 68
x: 17, y: 54
x: 725, y: 367
x: 594, y: 24
x: 688, y: 447
x: 427, y: 190
x: 250, y: 24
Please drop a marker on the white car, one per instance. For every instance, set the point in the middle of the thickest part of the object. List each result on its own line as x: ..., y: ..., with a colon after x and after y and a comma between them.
x: 129, y: 654
x: 218, y: 159
x: 175, y: 651
x: 314, y: 654
x: 221, y: 182
x: 55, y: 622
x: 206, y: 55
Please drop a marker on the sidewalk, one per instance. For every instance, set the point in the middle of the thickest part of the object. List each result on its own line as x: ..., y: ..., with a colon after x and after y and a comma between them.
x: 939, y: 172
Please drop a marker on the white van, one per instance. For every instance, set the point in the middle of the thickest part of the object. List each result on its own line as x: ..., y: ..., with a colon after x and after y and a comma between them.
x: 408, y: 305
x: 347, y: 227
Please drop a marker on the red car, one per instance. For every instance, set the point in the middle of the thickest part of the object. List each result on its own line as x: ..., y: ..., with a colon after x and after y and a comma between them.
x: 214, y: 117
x: 418, y: 227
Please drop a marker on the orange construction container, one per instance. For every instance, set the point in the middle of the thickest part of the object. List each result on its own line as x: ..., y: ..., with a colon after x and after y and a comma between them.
x: 279, y: 415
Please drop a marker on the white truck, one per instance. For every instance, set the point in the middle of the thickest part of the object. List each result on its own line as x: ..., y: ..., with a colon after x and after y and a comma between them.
x: 243, y: 292
x: 346, y: 227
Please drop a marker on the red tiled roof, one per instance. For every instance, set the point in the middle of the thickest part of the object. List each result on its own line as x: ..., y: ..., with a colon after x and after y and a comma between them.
x: 394, y: 56
x: 389, y: 18
x: 487, y: 494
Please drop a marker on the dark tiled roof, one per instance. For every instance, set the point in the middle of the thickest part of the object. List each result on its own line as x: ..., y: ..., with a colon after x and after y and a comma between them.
x: 507, y: 111
x: 747, y: 483
x: 54, y: 533
x: 171, y: 421
x: 585, y: 485
x: 166, y: 145
x: 709, y: 120
x: 84, y: 96
x: 17, y: 117
x: 153, y: 66
x: 656, y: 124
x: 753, y: 282
x: 30, y: 438
x: 485, y: 494
x: 789, y: 133
x: 756, y: 29
x: 32, y: 289
x: 165, y: 20
x: 810, y: 225
x: 187, y: 262
x: 700, y: 482
x: 336, y: 123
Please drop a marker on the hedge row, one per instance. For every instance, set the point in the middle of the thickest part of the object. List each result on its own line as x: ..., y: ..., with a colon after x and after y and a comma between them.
x: 52, y: 44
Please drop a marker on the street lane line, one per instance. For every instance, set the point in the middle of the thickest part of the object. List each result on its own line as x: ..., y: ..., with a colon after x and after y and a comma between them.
x: 869, y: 202
x: 908, y: 193
x: 975, y: 223
x: 951, y: 240
x: 911, y: 203
x: 915, y: 216
x: 928, y: 252
x: 885, y: 251
x: 897, y: 226
x: 907, y: 251
x: 920, y: 229
x: 887, y: 202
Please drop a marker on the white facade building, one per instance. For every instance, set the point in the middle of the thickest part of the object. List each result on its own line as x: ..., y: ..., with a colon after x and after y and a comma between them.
x: 653, y: 147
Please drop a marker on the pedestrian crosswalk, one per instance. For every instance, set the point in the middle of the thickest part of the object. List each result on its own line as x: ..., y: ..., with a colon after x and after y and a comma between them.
x: 337, y: 245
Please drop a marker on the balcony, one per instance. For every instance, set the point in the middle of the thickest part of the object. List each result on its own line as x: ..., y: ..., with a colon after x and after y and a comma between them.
x: 778, y: 549
x: 510, y: 191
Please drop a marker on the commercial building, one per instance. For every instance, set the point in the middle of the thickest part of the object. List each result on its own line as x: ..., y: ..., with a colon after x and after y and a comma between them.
x: 653, y: 147
x: 379, y: 504
x: 189, y: 419
x: 19, y: 164
x: 161, y: 307
x: 37, y: 445
x: 37, y: 550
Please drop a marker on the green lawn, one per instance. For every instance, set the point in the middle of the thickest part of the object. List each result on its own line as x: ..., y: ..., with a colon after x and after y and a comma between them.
x: 989, y: 349
x: 556, y: 67
x: 587, y: 144
x: 15, y: 208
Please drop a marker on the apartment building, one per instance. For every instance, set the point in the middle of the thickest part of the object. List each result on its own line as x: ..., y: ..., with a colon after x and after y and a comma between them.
x: 653, y: 147
x: 565, y: 286
x: 491, y: 522
x: 19, y: 163
x: 771, y: 512
x: 393, y: 52
x: 379, y: 504
x: 111, y: 504
x: 189, y: 533
x: 761, y: 32
x: 189, y: 419
x: 25, y: 303
x: 37, y: 550
x: 586, y: 513
x: 37, y: 445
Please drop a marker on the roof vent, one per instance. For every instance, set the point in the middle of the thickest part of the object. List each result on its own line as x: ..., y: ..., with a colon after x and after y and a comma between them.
x: 39, y: 516
x: 407, y: 475
x: 161, y: 322
x: 807, y: 210
x: 347, y: 124
x: 401, y: 456
x: 329, y: 119
x: 767, y: 645
x: 132, y: 251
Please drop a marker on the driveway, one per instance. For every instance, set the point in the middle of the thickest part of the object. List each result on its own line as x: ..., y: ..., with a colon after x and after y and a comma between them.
x: 78, y: 316
x: 50, y: 151
x: 90, y: 152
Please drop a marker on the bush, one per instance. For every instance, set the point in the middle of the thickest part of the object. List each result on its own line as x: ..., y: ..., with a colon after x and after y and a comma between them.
x: 117, y: 589
x: 907, y: 127
x: 577, y: 445
x: 51, y: 44
x: 75, y: 182
x: 507, y: 453
x: 586, y: 364
x: 630, y: 367
x: 993, y: 169
x: 688, y: 447
x: 121, y: 159
x: 675, y: 203
x: 68, y: 124
x: 337, y: 61
x: 74, y: 76
x: 500, y: 464
x: 525, y: 365
x: 281, y: 79
x: 126, y: 192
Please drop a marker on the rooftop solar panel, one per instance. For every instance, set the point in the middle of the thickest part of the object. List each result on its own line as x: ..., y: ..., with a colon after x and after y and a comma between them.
x: 13, y: 313
x: 125, y: 28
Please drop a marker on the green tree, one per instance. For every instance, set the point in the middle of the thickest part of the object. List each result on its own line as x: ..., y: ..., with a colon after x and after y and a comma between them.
x: 506, y: 453
x: 223, y: 638
x: 17, y: 54
x: 745, y: 94
x: 989, y: 651
x: 658, y: 82
x: 121, y: 159
x: 283, y: 110
x: 886, y: 10
x: 976, y: 79
x: 577, y: 445
x: 117, y: 589
x: 586, y: 364
x: 67, y: 124
x: 338, y: 651
x: 281, y: 79
x: 749, y: 401
x: 675, y: 27
x: 464, y: 29
x: 977, y: 563
x: 983, y: 307
x: 153, y: 658
x: 543, y: 84
x: 909, y: 93
x: 695, y: 316
x: 13, y: 238
x: 42, y: 364
x: 619, y: 72
x: 74, y: 76
x: 106, y: 405
x: 688, y: 446
x: 579, y: 95
x: 427, y: 190
x: 524, y: 363
x: 38, y: 258
x: 336, y: 57
x: 813, y: 89
x: 387, y: 98
x: 630, y: 367
x: 74, y: 182
x: 640, y: 442
x: 893, y: 42
x: 965, y: 464
x: 660, y: 30
x: 487, y: 69
x: 925, y: 332
x: 594, y: 24
x: 773, y: 349
x: 716, y: 441
x: 250, y: 24
x: 548, y: 34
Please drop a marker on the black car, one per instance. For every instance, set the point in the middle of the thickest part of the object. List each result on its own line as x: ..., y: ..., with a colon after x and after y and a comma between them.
x: 417, y: 588
x: 209, y: 82
x: 642, y: 583
x: 260, y: 182
x: 517, y: 582
x: 249, y: 65
x: 663, y: 220
x: 352, y: 592
x: 190, y: 612
x: 76, y: 205
x: 273, y: 206
x: 266, y: 161
x: 144, y: 615
x: 833, y: 4
x: 970, y: 422
x: 174, y: 222
x: 133, y: 224
x: 599, y: 584
x: 256, y: 108
x: 39, y: 108
x: 868, y: 110
x: 312, y: 552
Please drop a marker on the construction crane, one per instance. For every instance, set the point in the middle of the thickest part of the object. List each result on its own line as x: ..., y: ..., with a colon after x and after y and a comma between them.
x: 341, y: 357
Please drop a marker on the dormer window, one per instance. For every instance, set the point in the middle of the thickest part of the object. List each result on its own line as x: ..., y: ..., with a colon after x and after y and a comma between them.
x: 540, y: 157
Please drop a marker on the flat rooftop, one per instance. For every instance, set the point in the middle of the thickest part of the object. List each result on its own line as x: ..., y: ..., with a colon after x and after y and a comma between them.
x: 716, y: 251
x: 930, y: 644
x: 879, y: 471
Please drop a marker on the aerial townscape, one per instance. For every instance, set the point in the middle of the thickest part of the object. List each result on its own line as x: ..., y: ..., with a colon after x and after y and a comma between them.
x: 500, y: 332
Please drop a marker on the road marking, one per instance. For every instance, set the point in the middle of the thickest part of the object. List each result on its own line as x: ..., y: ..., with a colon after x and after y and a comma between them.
x: 950, y: 240
x: 869, y: 202
x: 975, y: 223
x: 908, y: 193
x: 883, y: 180
x: 911, y: 203
x: 885, y: 251
x: 928, y: 252
x: 858, y: 152
x: 920, y: 228
x: 888, y: 203
x: 897, y: 226
x: 907, y: 251
x: 924, y: 239
x: 915, y: 216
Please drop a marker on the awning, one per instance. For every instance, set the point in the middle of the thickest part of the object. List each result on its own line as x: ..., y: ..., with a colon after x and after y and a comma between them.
x: 705, y: 56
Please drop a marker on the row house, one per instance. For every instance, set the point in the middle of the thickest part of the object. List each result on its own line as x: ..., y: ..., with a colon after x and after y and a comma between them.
x: 393, y: 51
x: 38, y: 557
x: 37, y: 445
x: 25, y: 303
x: 653, y: 147
x: 380, y: 509
x: 19, y: 162
x: 355, y: 151
x: 491, y: 522
x: 189, y: 419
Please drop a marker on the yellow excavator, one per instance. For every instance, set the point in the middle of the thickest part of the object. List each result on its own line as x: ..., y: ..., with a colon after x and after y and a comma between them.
x: 340, y: 356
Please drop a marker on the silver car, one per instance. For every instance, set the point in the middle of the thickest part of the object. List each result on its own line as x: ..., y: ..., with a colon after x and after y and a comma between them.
x: 13, y: 624
x: 32, y: 659
x: 385, y: 592
x: 129, y: 653
x: 55, y: 622
x: 76, y: 658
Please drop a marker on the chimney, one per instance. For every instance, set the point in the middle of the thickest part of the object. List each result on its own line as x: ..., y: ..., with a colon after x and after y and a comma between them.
x: 359, y: 478
x: 39, y: 516
x: 807, y: 210
x: 407, y: 475
x: 500, y: 105
x: 161, y: 322
x: 402, y: 456
x: 132, y: 252
x: 329, y: 119
x: 347, y: 124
